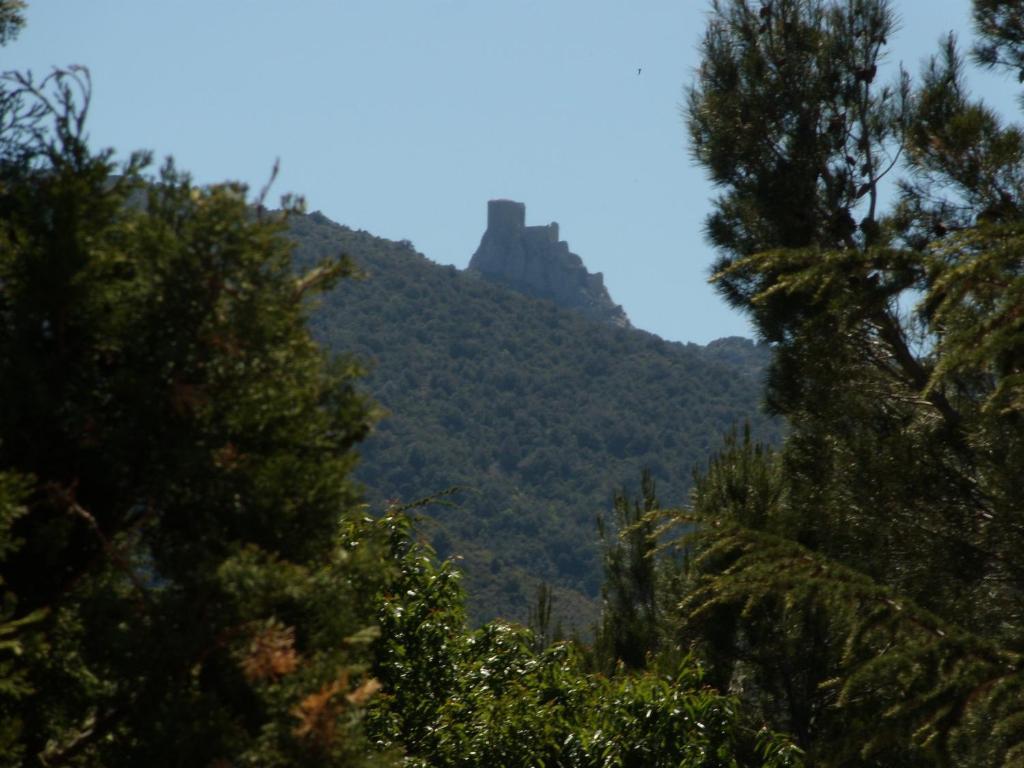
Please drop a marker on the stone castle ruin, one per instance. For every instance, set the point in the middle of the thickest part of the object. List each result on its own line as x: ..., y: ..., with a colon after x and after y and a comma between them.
x: 535, y: 262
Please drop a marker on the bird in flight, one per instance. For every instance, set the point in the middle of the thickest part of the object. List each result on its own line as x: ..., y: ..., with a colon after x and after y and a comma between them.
x: 639, y: 70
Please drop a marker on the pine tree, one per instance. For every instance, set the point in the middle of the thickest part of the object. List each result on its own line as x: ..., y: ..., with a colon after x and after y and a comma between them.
x: 12, y: 19
x: 869, y: 597
x: 628, y: 633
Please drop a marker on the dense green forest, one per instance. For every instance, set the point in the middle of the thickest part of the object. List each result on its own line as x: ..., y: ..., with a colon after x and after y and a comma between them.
x: 538, y: 415
x: 190, y: 576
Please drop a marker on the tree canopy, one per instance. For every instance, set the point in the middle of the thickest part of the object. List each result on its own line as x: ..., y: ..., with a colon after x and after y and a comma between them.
x: 175, y: 453
x: 866, y: 582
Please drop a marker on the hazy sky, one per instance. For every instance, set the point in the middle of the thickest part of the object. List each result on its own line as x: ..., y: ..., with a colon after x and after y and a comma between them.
x: 403, y: 117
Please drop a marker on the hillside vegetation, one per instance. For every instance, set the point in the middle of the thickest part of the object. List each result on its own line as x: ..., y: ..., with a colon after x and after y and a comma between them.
x: 536, y: 413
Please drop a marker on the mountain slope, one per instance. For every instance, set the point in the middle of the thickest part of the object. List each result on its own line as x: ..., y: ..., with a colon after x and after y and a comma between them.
x: 536, y: 412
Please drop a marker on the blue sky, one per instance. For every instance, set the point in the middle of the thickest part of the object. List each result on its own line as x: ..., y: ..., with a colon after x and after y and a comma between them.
x: 403, y: 117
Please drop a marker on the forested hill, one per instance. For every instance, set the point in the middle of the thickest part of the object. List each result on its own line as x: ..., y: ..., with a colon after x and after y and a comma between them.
x: 538, y: 414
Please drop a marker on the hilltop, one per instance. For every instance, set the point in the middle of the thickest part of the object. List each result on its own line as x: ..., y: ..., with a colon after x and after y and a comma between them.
x: 535, y: 262
x: 536, y: 411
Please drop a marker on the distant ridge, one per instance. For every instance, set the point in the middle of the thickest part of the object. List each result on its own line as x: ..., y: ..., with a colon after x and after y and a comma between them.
x: 535, y: 262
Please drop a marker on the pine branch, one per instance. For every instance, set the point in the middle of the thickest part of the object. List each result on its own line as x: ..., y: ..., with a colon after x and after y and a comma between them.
x: 928, y: 681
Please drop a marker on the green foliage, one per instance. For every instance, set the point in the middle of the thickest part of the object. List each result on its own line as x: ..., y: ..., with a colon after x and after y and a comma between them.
x: 181, y: 449
x: 453, y: 697
x: 1001, y: 36
x: 742, y: 483
x: 974, y: 302
x: 885, y: 656
x: 422, y: 619
x: 540, y: 624
x: 861, y: 589
x: 12, y: 19
x: 536, y: 413
x: 787, y: 119
x: 14, y: 683
x: 629, y: 629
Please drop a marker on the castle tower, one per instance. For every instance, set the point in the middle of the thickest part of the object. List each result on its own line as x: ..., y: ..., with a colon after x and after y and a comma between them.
x: 535, y: 262
x: 506, y: 216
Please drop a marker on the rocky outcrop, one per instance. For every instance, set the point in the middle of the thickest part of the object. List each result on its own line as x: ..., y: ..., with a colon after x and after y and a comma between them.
x: 535, y: 262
